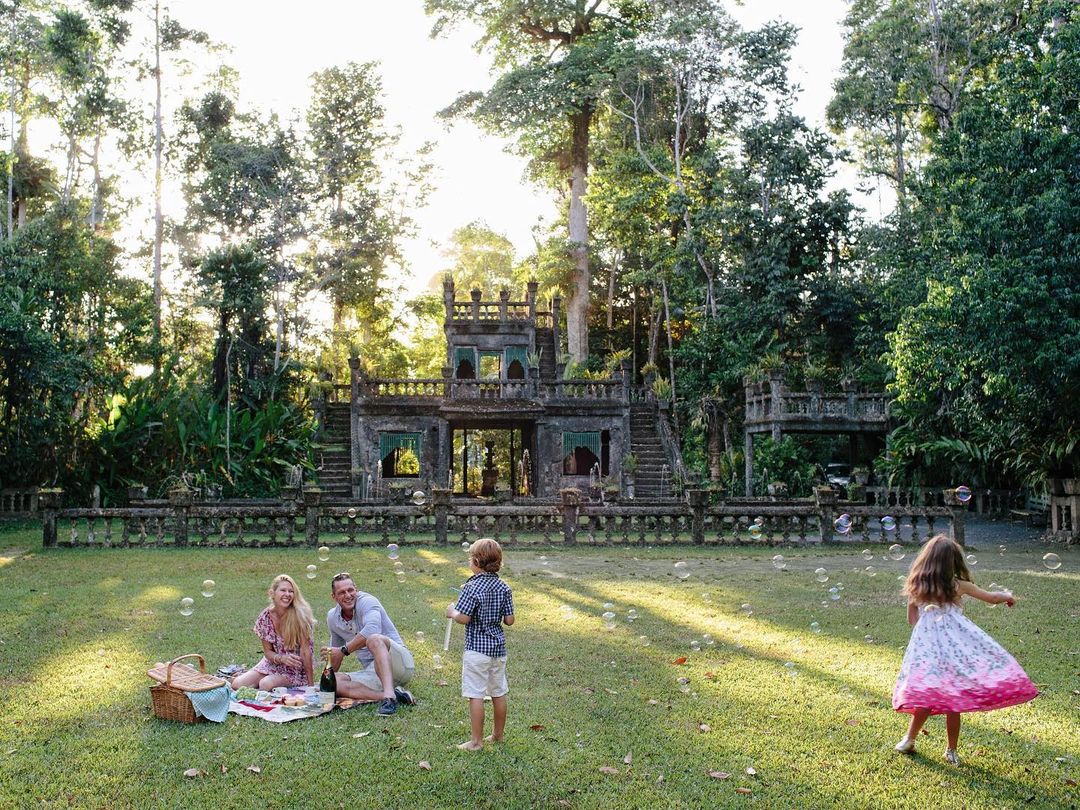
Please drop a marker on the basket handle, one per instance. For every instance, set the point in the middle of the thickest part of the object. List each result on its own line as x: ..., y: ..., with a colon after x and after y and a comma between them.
x: 168, y: 669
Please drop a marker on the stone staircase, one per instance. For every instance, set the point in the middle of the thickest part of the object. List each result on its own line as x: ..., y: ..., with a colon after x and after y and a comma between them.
x: 333, y: 456
x: 545, y: 343
x: 650, y: 480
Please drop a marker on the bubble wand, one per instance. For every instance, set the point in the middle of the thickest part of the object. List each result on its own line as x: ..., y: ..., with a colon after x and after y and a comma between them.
x: 449, y: 627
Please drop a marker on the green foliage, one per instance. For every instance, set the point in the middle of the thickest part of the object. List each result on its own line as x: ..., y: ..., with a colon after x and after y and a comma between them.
x: 786, y: 461
x: 157, y: 430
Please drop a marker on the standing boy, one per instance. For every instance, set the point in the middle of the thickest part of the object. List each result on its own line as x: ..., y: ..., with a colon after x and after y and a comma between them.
x: 485, y: 604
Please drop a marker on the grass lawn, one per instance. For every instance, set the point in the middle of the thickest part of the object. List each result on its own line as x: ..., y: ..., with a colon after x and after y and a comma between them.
x: 79, y: 628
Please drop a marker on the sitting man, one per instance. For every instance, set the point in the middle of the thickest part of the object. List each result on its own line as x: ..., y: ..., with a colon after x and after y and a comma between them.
x: 359, y: 624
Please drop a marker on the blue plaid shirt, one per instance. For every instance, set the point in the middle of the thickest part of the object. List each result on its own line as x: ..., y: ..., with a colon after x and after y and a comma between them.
x: 487, y: 599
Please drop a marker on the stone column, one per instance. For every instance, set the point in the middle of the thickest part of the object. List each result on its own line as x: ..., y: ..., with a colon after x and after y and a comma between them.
x: 180, y: 501
x: 440, y: 501
x: 504, y: 300
x: 49, y: 501
x: 476, y: 312
x: 698, y: 500
x: 748, y: 463
x: 827, y: 500
x: 956, y: 529
x: 570, y: 505
x: 312, y: 498
x: 530, y: 300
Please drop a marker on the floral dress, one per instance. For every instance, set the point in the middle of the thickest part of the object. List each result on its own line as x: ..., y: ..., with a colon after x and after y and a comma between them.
x: 264, y: 629
x: 951, y: 665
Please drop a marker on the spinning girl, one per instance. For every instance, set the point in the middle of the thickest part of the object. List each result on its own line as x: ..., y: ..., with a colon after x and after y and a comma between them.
x: 950, y: 665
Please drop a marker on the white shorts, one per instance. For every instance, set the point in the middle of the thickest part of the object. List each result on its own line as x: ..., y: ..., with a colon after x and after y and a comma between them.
x: 482, y: 675
x: 401, y: 666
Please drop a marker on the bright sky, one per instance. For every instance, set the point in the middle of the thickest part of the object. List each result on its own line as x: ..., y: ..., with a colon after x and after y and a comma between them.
x: 275, y: 54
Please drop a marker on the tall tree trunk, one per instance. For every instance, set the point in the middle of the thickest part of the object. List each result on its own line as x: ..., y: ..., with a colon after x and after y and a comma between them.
x: 901, y: 166
x: 670, y: 353
x: 158, y: 221
x: 577, y: 305
x: 612, y: 272
x: 712, y: 424
x: 11, y: 121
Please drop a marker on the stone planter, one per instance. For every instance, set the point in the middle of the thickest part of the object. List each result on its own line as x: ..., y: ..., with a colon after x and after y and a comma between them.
x: 1071, y: 486
x: 815, y: 387
x: 136, y: 493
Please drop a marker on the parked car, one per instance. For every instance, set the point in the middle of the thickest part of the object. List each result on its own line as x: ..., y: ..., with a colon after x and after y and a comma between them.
x: 838, y: 475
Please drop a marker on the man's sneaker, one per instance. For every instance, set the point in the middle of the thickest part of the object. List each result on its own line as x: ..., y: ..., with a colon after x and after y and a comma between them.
x: 906, y: 745
x: 404, y: 696
x: 387, y: 707
x: 951, y: 757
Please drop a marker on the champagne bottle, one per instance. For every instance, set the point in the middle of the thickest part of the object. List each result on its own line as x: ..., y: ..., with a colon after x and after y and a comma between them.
x: 327, y: 685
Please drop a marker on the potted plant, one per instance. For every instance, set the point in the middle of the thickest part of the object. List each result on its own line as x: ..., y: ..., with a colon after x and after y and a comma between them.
x: 814, y: 375
x: 661, y: 388
x: 860, y: 475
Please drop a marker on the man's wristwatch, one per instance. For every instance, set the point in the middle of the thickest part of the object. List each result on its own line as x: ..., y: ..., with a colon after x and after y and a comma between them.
x: 344, y: 649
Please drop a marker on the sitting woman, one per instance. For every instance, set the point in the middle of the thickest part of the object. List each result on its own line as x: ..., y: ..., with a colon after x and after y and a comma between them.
x: 286, y: 629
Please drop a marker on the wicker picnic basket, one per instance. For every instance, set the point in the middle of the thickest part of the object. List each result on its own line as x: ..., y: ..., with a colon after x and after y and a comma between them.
x: 170, y: 697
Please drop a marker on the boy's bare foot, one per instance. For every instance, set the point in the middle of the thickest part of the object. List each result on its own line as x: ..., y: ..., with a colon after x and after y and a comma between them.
x: 492, y: 738
x: 469, y: 745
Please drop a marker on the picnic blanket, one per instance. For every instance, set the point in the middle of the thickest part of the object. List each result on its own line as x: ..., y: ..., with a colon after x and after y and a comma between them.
x: 269, y: 706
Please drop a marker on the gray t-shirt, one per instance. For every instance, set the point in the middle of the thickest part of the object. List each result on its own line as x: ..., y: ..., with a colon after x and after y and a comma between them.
x: 369, y: 617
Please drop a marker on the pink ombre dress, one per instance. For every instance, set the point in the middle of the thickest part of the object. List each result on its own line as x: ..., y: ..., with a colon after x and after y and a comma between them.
x: 951, y: 665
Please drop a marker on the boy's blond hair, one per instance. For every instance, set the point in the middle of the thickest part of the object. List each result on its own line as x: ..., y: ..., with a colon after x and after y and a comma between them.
x: 486, y: 555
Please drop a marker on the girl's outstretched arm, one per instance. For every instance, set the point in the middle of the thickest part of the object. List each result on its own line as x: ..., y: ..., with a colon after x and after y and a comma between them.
x: 912, y: 613
x: 993, y: 597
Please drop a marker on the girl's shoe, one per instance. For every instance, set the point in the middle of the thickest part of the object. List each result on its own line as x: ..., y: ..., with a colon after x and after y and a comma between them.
x: 906, y: 745
x: 951, y: 757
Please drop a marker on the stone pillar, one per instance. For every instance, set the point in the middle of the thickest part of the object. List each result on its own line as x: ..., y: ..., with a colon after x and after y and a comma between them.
x: 440, y: 501
x: 530, y: 300
x: 49, y: 501
x: 448, y: 297
x: 698, y: 500
x: 748, y: 463
x: 556, y: 315
x: 504, y: 301
x: 476, y: 312
x: 776, y: 398
x: 136, y: 493
x: 180, y: 501
x: 827, y: 500
x: 312, y: 498
x: 570, y: 505
x: 956, y: 529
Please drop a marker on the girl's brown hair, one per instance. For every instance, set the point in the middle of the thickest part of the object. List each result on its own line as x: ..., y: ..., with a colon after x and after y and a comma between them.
x: 486, y: 555
x: 299, y: 622
x: 934, y: 573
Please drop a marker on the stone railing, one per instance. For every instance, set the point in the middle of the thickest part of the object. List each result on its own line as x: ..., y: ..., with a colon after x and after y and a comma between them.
x: 18, y: 502
x: 794, y: 405
x: 609, y: 390
x: 378, y: 387
x: 994, y: 502
x: 569, y: 520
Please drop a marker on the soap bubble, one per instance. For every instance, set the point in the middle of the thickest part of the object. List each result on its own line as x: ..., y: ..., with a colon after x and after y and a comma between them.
x: 821, y: 575
x: 867, y: 554
x: 208, y: 588
x: 695, y: 645
x: 896, y: 552
x: 643, y: 641
x: 351, y: 513
x: 747, y: 609
x: 888, y: 523
x: 680, y: 570
x: 870, y: 571
x: 706, y: 598
x: 1001, y: 550
x: 608, y: 616
x: 971, y: 559
x: 789, y: 668
x: 399, y: 565
x: 609, y: 605
x: 324, y: 553
x: 420, y: 637
x: 1052, y: 561
x: 400, y: 575
x: 815, y: 627
x: 464, y: 545
x: 839, y: 586
x: 566, y: 609
x: 868, y: 638
x: 963, y: 494
x: 631, y: 614
x: 778, y: 562
x: 436, y: 661
x: 834, y: 594
x: 842, y: 524
x: 543, y: 560
x: 312, y: 571
x: 419, y: 498
x: 392, y: 551
x: 756, y: 530
x: 708, y: 640
x: 187, y: 606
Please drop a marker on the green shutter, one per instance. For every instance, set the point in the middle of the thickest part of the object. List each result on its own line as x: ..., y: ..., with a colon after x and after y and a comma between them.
x: 590, y: 441
x: 516, y: 353
x: 464, y: 353
x: 389, y: 442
